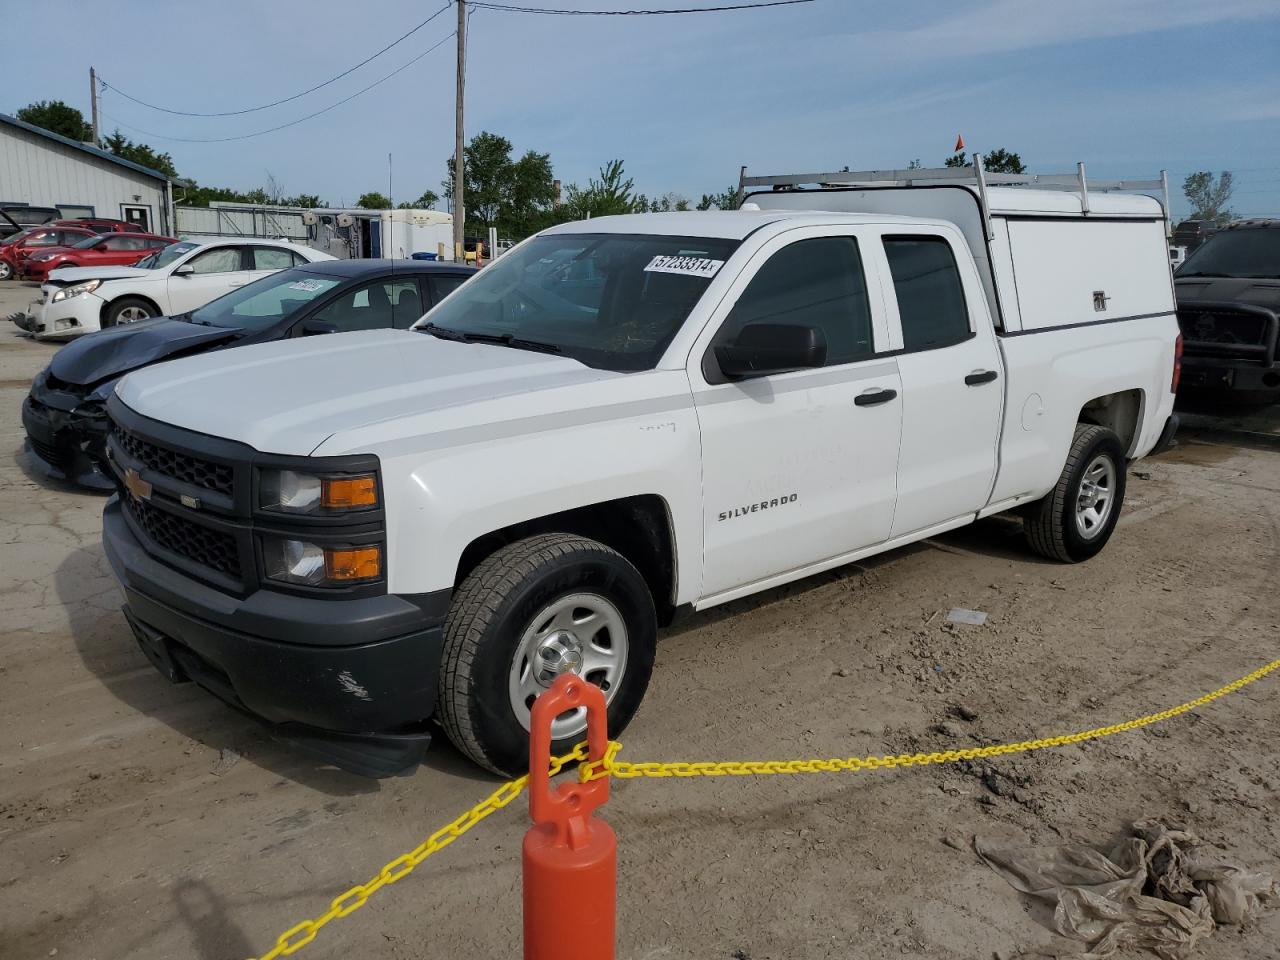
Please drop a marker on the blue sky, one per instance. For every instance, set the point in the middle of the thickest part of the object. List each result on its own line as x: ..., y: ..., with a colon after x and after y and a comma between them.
x: 1128, y: 86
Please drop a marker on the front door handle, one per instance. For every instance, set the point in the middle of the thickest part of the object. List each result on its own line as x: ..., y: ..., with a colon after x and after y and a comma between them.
x: 873, y: 398
x: 980, y: 376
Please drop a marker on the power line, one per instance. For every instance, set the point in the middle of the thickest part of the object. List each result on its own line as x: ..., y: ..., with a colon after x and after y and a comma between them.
x: 276, y: 103
x: 556, y: 11
x: 292, y: 123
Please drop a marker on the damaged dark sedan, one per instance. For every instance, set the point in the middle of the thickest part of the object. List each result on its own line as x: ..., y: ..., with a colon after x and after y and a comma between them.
x: 64, y: 414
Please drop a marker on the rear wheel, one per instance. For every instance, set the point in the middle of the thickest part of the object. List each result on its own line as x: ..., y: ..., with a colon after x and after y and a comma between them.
x: 537, y: 608
x: 128, y: 310
x: 6, y: 271
x: 1074, y: 521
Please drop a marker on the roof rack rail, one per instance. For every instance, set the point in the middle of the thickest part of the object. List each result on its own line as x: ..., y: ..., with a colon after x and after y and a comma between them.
x: 975, y: 175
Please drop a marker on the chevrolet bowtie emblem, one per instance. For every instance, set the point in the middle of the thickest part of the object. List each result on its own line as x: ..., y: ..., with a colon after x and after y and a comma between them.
x: 138, y: 488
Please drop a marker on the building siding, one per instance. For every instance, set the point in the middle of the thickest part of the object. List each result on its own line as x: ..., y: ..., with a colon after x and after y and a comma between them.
x: 45, y: 173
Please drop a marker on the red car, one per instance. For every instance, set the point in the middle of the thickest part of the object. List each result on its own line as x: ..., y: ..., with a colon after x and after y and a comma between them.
x: 43, y: 237
x: 98, y: 250
x: 99, y: 224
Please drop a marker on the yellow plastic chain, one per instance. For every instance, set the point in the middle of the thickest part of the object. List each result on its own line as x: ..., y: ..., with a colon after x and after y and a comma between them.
x: 297, y: 937
x: 609, y: 766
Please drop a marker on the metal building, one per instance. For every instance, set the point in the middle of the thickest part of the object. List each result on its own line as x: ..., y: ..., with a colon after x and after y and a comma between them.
x: 44, y: 169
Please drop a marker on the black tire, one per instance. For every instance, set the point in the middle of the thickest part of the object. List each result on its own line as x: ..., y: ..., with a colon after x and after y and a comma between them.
x: 491, y: 610
x: 117, y: 307
x: 1050, y: 523
x: 6, y: 271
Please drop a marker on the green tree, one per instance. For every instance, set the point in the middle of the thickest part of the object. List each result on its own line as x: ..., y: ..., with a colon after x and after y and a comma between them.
x: 139, y: 153
x: 998, y: 160
x: 374, y: 201
x: 728, y: 200
x: 608, y: 196
x: 516, y: 196
x: 1209, y: 197
x: 663, y: 204
x: 58, y: 117
x: 1001, y: 160
x: 428, y: 200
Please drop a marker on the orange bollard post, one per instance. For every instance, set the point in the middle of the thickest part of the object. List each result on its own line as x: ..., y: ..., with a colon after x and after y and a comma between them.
x: 570, y: 857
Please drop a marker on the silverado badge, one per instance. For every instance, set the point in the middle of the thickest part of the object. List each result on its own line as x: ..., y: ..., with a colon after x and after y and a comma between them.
x: 138, y: 488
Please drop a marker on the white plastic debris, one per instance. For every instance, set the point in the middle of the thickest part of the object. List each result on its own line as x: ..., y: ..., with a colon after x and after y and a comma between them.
x: 974, y: 618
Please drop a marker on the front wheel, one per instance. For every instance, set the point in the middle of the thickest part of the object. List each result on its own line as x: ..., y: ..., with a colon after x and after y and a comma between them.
x: 128, y: 310
x: 1074, y: 521
x: 6, y: 270
x: 550, y: 604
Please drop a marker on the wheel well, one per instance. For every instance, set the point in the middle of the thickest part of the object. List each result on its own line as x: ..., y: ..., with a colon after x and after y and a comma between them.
x: 129, y: 296
x: 1119, y: 412
x: 639, y: 528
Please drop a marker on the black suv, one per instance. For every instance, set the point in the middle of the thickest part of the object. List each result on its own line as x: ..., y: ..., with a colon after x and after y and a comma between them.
x: 65, y: 412
x: 1229, y: 312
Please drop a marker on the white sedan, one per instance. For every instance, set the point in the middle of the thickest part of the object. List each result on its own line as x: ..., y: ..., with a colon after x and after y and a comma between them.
x: 175, y: 280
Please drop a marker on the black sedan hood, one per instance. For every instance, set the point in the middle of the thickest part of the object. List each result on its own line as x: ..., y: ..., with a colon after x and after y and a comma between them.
x: 1259, y: 293
x: 117, y: 350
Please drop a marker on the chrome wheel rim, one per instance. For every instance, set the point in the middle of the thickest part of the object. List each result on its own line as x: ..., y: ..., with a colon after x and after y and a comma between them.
x: 1096, y: 497
x: 5, y: 270
x: 583, y: 634
x: 132, y: 315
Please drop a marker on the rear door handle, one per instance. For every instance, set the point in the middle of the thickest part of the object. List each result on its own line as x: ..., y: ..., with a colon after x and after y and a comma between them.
x: 980, y: 376
x: 873, y: 398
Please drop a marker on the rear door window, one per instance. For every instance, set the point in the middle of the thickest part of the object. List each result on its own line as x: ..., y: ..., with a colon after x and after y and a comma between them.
x: 930, y: 294
x: 272, y: 258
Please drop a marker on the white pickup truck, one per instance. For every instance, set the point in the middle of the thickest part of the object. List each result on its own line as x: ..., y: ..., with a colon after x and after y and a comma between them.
x: 622, y: 419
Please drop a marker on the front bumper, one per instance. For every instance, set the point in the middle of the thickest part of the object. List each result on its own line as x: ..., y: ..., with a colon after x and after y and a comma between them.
x: 1229, y: 379
x: 65, y: 445
x: 353, y: 680
x: 66, y: 318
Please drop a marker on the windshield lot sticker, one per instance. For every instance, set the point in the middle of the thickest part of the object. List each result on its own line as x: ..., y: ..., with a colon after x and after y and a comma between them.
x: 311, y: 286
x: 686, y: 266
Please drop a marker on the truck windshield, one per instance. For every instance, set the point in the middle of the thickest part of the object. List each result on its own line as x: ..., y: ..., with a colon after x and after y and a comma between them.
x: 609, y: 300
x: 265, y: 302
x: 1252, y: 254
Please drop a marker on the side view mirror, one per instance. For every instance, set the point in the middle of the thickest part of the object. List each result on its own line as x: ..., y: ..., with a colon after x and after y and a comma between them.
x: 313, y: 327
x: 761, y: 349
x: 185, y: 270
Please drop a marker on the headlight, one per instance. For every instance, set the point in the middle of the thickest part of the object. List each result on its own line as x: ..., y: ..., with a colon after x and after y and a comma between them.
x: 298, y: 561
x: 66, y: 293
x: 293, y: 492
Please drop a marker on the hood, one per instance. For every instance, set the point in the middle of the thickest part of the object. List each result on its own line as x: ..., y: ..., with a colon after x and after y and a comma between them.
x: 117, y: 350
x: 290, y: 396
x: 69, y: 275
x: 1259, y: 293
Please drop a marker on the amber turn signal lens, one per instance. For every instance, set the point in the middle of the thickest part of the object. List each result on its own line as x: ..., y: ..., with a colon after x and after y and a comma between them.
x: 343, y: 493
x: 352, y: 563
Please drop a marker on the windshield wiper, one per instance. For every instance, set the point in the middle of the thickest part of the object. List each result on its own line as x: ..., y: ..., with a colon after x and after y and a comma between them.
x: 1205, y: 273
x: 444, y: 333
x: 498, y: 339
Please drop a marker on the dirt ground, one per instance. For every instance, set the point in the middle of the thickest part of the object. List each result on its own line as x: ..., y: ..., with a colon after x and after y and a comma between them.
x: 144, y: 820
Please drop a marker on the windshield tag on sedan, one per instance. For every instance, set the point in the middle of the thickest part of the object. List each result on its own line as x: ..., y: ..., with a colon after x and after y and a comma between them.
x: 308, y: 285
x: 685, y: 266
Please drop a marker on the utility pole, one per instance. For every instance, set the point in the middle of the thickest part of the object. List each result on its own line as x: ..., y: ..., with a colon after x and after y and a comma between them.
x: 459, y: 207
x: 93, y: 100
